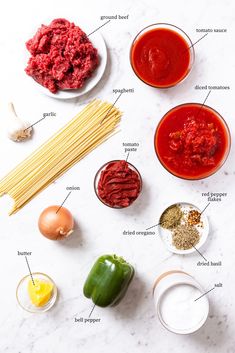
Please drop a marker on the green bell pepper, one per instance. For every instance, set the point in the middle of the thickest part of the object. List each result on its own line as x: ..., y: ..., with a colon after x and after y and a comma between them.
x: 108, y: 280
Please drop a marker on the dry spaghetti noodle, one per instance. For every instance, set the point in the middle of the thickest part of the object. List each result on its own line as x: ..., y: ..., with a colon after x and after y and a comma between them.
x: 92, y: 126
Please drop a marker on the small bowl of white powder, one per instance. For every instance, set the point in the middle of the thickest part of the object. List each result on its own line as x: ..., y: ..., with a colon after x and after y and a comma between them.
x: 181, y: 306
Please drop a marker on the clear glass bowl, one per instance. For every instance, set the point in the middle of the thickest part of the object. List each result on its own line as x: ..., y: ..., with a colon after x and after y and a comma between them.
x: 97, y: 178
x: 23, y: 298
x: 226, y: 153
x: 178, y: 31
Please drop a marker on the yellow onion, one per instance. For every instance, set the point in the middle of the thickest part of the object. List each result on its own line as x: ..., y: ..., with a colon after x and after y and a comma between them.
x: 56, y: 222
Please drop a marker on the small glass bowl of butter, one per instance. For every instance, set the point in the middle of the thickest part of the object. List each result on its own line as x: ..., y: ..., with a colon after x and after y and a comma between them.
x: 36, y: 293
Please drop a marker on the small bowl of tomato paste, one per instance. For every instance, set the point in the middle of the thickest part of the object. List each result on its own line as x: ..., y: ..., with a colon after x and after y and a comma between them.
x: 192, y: 141
x: 117, y: 184
x: 162, y: 55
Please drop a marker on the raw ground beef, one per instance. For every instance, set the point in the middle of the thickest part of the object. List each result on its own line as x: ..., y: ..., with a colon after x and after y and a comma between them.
x: 62, y: 56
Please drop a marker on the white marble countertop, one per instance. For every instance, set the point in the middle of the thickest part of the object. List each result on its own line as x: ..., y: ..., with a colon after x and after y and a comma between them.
x: 132, y: 326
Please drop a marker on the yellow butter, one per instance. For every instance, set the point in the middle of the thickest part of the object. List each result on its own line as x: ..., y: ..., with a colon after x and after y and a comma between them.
x: 40, y: 291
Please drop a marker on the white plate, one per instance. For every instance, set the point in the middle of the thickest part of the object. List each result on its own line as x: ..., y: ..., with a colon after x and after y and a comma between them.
x: 98, y: 42
x: 166, y: 235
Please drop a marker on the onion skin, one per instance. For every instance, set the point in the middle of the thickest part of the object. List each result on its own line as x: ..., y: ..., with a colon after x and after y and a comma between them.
x: 56, y: 223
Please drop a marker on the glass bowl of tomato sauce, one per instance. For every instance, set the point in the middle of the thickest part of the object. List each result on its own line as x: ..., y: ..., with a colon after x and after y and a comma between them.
x: 162, y: 55
x: 117, y: 184
x: 192, y: 141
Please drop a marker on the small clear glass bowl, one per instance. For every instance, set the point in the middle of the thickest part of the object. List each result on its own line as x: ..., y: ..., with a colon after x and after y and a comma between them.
x: 178, y: 31
x: 97, y: 178
x: 23, y: 298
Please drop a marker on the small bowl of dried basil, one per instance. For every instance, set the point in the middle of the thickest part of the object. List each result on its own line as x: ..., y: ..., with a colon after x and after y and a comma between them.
x: 183, y: 228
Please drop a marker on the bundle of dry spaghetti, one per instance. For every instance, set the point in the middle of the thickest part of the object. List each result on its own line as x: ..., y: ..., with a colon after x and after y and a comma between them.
x: 89, y: 128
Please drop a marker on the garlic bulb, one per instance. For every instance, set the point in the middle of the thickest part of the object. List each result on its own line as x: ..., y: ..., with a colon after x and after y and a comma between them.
x: 18, y: 130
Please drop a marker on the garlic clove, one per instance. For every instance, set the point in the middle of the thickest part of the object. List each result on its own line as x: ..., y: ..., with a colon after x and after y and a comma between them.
x: 18, y: 130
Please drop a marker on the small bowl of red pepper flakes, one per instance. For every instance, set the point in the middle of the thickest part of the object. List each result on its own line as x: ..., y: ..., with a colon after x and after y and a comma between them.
x: 192, y: 141
x: 117, y: 184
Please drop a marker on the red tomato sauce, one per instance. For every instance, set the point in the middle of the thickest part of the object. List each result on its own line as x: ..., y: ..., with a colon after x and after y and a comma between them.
x: 161, y: 57
x: 192, y: 141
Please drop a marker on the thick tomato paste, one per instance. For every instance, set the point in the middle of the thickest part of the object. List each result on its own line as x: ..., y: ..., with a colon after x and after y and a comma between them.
x: 160, y: 57
x: 192, y: 141
x: 119, y: 184
x: 62, y: 56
